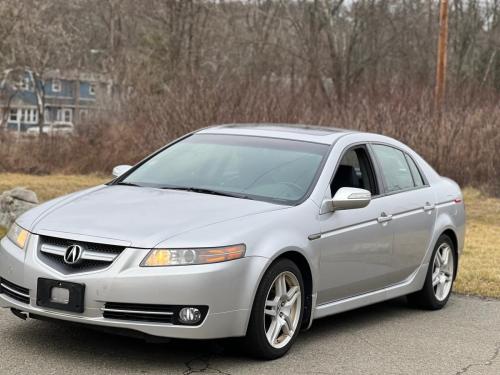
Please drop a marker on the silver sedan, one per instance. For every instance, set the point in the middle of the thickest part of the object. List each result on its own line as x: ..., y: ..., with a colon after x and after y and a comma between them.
x: 245, y: 230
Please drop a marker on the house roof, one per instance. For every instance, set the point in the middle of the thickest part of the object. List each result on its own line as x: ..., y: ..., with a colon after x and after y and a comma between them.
x: 74, y: 75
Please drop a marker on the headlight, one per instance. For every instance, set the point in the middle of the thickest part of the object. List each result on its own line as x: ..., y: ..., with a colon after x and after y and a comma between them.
x: 18, y: 235
x: 182, y: 257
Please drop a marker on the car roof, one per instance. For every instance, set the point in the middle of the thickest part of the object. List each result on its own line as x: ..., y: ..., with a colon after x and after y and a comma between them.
x: 307, y: 133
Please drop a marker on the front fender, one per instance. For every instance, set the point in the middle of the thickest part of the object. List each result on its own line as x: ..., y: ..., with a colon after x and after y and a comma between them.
x: 267, y: 235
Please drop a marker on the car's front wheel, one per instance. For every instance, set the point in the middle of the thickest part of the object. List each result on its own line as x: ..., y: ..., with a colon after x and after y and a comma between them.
x: 277, y: 311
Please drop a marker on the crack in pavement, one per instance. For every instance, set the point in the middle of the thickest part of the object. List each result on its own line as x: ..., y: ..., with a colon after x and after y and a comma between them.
x: 489, y: 362
x: 201, y: 364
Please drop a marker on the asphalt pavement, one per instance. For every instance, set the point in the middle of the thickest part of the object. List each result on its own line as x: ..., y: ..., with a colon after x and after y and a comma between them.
x: 387, y: 338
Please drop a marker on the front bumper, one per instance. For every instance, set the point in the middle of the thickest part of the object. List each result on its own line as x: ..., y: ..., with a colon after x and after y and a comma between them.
x: 226, y: 288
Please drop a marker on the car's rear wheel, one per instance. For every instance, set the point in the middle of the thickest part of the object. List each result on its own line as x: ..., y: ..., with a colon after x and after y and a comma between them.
x: 277, y: 311
x: 440, y: 277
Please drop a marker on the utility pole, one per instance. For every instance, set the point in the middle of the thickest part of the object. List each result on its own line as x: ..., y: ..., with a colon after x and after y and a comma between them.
x: 442, y: 54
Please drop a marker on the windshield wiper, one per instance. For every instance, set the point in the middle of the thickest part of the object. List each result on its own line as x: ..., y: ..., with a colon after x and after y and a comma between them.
x: 205, y: 191
x: 127, y: 184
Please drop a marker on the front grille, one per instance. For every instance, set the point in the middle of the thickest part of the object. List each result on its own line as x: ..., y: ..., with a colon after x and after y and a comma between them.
x: 94, y: 256
x: 139, y: 312
x: 14, y: 291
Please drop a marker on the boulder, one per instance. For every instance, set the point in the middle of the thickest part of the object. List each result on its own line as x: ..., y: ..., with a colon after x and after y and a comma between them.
x: 14, y: 203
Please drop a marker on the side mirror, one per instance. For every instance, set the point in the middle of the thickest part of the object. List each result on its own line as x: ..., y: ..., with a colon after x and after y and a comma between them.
x: 347, y: 198
x: 120, y: 170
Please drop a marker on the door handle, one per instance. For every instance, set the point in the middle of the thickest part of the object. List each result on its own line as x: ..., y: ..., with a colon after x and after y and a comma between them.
x: 383, y: 218
x: 429, y: 207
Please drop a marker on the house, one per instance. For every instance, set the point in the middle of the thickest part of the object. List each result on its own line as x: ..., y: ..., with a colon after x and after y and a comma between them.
x: 68, y: 97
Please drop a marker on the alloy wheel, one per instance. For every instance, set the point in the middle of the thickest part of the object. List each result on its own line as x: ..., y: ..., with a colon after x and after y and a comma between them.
x: 442, y: 272
x: 282, y: 309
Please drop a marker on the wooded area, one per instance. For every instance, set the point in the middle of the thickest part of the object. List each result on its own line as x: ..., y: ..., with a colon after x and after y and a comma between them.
x: 365, y: 64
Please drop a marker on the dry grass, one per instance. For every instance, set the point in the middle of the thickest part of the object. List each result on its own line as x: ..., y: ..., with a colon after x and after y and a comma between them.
x: 479, y: 272
x: 48, y: 187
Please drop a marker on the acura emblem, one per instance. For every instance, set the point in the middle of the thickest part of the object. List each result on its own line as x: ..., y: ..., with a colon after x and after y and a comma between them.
x: 73, y: 254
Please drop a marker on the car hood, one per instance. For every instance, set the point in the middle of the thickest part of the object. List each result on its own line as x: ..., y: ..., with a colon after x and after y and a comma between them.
x: 139, y: 216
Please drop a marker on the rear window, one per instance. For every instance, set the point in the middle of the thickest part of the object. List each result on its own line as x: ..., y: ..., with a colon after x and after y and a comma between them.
x: 417, y: 176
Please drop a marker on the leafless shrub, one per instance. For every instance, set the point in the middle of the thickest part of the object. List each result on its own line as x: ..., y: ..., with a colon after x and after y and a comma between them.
x: 461, y: 143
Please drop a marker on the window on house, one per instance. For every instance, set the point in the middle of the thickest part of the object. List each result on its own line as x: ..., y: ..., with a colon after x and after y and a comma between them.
x: 56, y: 85
x: 13, y: 115
x: 92, y: 89
x: 33, y: 116
x: 67, y: 115
x: 25, y: 84
x: 28, y: 116
x: 46, y: 115
x: 64, y: 115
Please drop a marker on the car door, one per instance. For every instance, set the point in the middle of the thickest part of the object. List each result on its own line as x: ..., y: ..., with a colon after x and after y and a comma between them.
x: 356, y: 245
x: 411, y: 203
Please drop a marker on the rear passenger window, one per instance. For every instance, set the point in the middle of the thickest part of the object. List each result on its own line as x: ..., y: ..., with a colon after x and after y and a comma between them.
x: 417, y: 177
x: 395, y: 169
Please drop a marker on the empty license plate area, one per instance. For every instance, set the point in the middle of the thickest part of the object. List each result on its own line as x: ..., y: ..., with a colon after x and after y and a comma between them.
x: 60, y: 295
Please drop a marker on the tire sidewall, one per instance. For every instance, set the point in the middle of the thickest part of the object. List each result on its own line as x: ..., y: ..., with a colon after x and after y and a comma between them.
x: 256, y: 332
x: 428, y: 288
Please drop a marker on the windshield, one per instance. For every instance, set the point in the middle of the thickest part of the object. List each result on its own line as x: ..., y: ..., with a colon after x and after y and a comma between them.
x: 243, y: 166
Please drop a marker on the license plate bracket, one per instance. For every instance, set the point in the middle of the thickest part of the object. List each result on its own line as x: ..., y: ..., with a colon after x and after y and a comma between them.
x: 44, y: 297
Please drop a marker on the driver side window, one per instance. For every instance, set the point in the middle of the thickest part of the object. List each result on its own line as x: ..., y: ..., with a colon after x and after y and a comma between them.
x: 355, y: 170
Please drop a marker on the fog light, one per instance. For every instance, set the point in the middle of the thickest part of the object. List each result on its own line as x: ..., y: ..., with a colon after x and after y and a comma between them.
x: 189, y: 315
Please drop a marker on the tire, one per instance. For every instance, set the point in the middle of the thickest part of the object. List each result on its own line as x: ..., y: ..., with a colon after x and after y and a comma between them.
x: 289, y: 310
x: 431, y: 297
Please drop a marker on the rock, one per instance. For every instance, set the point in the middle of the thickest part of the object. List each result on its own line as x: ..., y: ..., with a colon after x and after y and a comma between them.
x: 15, y: 202
x: 23, y: 194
